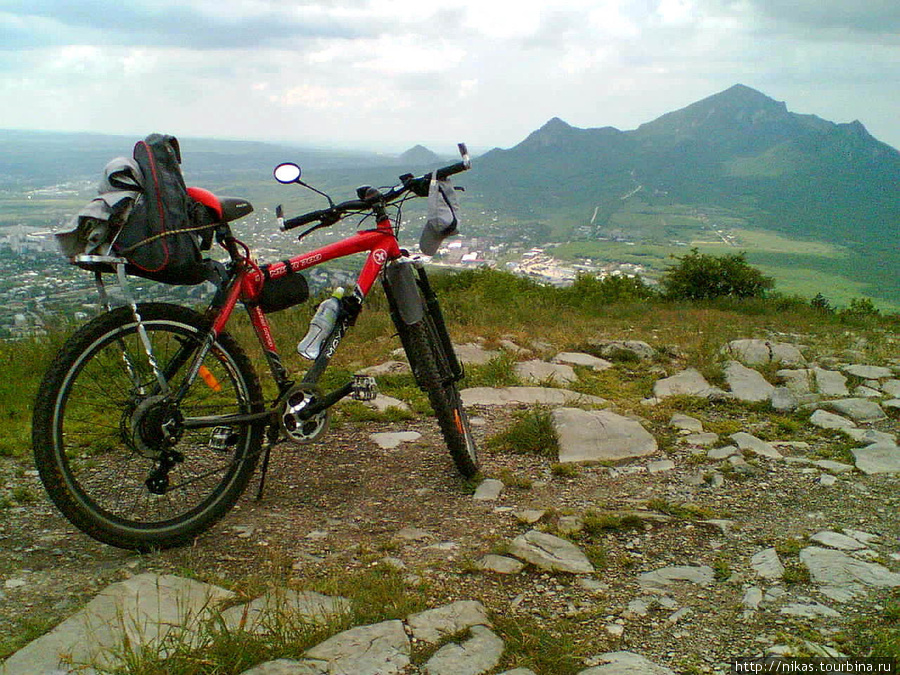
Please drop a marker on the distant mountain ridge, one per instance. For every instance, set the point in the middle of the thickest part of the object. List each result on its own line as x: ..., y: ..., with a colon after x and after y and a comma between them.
x: 798, y: 173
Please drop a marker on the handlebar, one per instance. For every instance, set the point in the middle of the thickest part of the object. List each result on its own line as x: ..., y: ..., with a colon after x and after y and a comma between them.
x: 418, y: 185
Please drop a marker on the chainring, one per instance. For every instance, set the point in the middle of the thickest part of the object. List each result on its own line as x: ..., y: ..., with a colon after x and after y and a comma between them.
x: 292, y: 404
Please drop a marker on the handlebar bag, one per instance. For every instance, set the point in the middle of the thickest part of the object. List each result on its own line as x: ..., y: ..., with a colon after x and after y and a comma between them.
x: 164, y: 232
x: 441, y: 220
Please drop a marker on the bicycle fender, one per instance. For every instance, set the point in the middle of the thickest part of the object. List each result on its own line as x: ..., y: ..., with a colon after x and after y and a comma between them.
x: 400, y: 282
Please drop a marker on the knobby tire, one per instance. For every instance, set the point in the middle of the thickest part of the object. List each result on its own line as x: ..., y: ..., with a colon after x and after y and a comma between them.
x: 84, y: 438
x: 432, y: 374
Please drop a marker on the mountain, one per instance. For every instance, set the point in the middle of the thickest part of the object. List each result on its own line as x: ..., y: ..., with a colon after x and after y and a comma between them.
x: 738, y: 152
x: 419, y: 155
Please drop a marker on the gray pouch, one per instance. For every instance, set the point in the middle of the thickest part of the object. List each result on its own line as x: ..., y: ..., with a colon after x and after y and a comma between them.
x: 442, y: 220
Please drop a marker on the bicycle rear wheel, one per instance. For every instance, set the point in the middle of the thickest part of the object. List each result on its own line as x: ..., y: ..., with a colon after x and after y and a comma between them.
x: 433, y: 375
x: 117, y: 457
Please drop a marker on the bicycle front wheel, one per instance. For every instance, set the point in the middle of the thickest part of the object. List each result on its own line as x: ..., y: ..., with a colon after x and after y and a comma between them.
x: 118, y: 456
x: 432, y: 374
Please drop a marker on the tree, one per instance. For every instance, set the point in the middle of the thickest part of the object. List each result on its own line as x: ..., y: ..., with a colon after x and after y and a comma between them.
x: 699, y: 276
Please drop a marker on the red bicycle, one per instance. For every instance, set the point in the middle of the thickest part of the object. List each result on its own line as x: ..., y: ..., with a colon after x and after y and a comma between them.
x: 151, y: 420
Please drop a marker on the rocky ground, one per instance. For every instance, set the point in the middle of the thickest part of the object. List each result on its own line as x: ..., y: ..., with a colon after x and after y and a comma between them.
x: 725, y: 528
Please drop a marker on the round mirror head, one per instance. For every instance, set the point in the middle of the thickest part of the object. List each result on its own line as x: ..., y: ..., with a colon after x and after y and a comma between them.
x: 287, y: 173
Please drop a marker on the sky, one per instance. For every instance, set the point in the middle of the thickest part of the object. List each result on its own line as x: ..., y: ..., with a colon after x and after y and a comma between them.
x: 387, y: 74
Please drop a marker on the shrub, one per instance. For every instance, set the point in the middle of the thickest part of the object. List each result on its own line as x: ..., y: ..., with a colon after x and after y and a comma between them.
x: 589, y: 291
x: 699, y: 276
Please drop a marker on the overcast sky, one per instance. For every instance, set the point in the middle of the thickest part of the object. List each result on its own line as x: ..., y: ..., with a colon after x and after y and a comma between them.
x: 387, y: 74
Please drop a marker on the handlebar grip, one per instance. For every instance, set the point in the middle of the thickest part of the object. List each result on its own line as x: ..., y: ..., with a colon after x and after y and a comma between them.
x: 305, y: 219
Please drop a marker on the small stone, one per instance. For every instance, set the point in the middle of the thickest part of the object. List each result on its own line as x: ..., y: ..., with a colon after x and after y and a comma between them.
x: 413, y: 534
x: 827, y: 480
x: 489, y: 490
x: 758, y: 447
x: 810, y: 610
x: 702, y: 440
x: 661, y: 465
x: 753, y: 598
x: 767, y: 565
x: 393, y: 439
x: 666, y: 576
x: 499, y: 564
x: 529, y: 516
x: 723, y: 453
x: 687, y: 423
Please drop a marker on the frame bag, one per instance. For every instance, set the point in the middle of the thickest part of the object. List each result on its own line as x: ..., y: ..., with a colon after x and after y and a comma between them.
x: 165, y: 231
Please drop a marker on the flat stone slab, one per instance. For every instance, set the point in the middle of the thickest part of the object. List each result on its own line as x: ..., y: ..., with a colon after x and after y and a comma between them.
x: 688, y: 382
x: 584, y: 360
x: 684, y: 422
x: 869, y: 372
x: 838, y: 569
x: 826, y: 420
x: 378, y: 649
x: 755, y: 445
x: 878, y: 458
x: 393, y: 439
x: 837, y: 540
x: 600, y: 435
x: 433, y: 625
x: 526, y: 396
x: 479, y: 654
x: 767, y: 564
x: 626, y: 663
x: 550, y: 553
x: 666, y: 576
x: 612, y: 349
x: 386, y: 368
x: 263, y: 612
x: 541, y: 371
x: 757, y: 352
x: 474, y: 354
x: 289, y: 667
x: 857, y: 409
x: 703, y: 440
x: 747, y: 384
x: 488, y: 490
x: 145, y: 608
x: 381, y: 403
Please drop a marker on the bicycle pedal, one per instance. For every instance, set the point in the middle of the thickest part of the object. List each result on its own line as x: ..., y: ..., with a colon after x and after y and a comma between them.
x: 222, y: 437
x: 364, y: 388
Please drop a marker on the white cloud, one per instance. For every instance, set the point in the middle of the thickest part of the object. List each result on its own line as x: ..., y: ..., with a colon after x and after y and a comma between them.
x: 394, y: 72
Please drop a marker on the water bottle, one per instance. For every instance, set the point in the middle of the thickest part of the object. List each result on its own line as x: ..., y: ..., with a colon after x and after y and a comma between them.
x: 321, y: 326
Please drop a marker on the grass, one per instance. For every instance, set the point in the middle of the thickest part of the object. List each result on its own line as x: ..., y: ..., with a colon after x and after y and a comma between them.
x: 532, y: 432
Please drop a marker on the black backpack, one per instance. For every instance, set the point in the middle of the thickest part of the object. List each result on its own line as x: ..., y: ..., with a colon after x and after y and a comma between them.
x: 165, y: 230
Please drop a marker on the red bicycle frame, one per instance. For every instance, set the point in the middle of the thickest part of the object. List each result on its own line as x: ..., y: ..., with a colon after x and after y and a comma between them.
x: 381, y: 243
